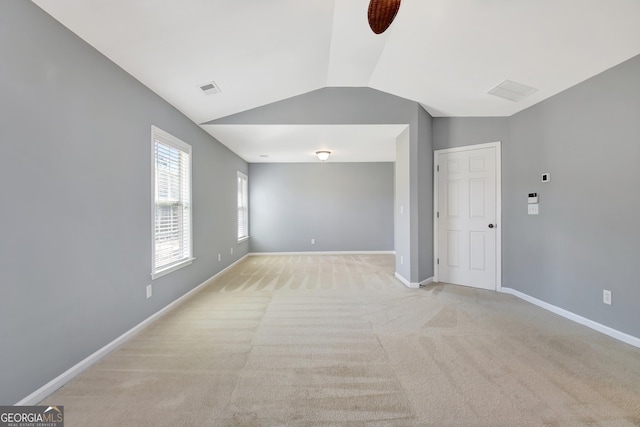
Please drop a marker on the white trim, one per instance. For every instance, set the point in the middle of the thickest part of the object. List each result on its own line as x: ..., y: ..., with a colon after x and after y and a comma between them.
x: 62, y: 379
x: 413, y: 285
x: 174, y: 267
x: 166, y: 138
x: 468, y: 147
x: 498, y: 146
x: 405, y: 282
x: 613, y: 333
x: 427, y: 281
x: 436, y: 232
x: 245, y: 177
x: 324, y: 253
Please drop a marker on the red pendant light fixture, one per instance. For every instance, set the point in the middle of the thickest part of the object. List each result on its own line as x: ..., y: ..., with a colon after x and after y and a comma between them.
x: 382, y: 13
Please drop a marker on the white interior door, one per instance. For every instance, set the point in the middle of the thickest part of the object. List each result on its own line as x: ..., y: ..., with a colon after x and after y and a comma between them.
x: 466, y: 217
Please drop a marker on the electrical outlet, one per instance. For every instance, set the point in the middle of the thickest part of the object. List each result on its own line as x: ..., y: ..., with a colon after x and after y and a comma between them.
x: 231, y: 251
x: 219, y: 257
x: 149, y: 291
x: 532, y: 209
x: 401, y: 259
x: 606, y: 296
x: 313, y: 241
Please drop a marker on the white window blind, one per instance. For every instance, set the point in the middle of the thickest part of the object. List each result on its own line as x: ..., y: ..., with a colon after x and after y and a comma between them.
x: 243, y: 206
x: 172, y: 244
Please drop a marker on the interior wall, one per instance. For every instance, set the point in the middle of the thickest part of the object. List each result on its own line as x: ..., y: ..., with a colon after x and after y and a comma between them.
x: 330, y: 106
x: 356, y: 105
x: 423, y: 186
x: 586, y: 237
x: 343, y: 206
x: 75, y: 217
x: 402, y: 232
x: 454, y: 132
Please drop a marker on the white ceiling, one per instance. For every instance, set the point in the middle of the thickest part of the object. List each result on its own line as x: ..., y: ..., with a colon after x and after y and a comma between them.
x: 443, y: 54
x: 298, y: 143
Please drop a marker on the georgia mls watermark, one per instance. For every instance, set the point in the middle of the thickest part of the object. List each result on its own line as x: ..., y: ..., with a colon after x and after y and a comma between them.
x: 31, y: 416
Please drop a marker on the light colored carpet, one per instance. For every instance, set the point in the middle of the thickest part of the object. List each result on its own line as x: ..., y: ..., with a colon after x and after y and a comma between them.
x: 338, y: 341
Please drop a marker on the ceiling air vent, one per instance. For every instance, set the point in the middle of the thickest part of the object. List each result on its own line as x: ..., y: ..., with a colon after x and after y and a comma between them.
x: 512, y: 91
x: 210, y: 88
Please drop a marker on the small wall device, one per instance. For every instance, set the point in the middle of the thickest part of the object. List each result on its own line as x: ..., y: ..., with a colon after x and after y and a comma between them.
x: 533, y: 198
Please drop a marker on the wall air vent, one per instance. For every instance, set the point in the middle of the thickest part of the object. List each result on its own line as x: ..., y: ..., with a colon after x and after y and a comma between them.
x: 210, y: 88
x: 512, y: 91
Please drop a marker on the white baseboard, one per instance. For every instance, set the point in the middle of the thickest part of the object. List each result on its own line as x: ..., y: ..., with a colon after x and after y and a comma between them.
x: 62, y: 379
x: 413, y: 285
x: 325, y: 253
x: 425, y: 282
x: 613, y: 333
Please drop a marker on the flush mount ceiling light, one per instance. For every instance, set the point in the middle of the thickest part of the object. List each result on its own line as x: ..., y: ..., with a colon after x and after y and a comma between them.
x: 323, y: 155
x: 381, y: 14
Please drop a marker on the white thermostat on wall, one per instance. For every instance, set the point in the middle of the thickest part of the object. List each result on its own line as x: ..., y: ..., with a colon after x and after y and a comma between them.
x: 546, y: 177
x: 533, y: 198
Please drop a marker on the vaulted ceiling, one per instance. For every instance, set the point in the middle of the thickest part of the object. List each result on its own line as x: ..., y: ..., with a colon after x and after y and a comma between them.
x: 444, y: 54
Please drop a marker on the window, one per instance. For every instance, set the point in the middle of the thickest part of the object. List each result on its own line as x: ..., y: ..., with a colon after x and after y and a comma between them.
x: 243, y: 207
x: 172, y: 242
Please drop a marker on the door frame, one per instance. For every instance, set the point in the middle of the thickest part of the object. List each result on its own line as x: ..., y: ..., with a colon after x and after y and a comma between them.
x: 436, y: 154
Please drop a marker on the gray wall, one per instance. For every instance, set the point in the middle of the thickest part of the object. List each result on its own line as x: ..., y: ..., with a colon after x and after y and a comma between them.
x: 369, y: 106
x: 330, y: 105
x: 75, y: 217
x: 452, y: 132
x: 402, y: 235
x: 422, y: 164
x: 587, y: 236
x: 344, y: 206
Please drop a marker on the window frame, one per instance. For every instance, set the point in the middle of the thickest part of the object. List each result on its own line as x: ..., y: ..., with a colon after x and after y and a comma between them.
x: 242, y: 179
x: 171, y: 141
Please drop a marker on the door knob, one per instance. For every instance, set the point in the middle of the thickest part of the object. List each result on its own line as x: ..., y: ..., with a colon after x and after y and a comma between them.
x: 491, y: 225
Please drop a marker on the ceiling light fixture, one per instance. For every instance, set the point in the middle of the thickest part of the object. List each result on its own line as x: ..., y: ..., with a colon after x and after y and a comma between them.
x: 381, y: 14
x: 323, y: 155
